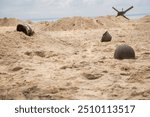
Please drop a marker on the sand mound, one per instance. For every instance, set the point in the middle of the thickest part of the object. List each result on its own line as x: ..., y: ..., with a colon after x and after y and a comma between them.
x: 82, y: 23
x: 143, y: 24
x: 11, y: 42
x: 13, y: 21
x: 9, y: 22
x: 73, y: 23
x: 145, y: 19
x: 111, y: 21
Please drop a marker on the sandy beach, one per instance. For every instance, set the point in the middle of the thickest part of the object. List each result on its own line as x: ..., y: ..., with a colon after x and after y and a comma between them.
x: 65, y: 59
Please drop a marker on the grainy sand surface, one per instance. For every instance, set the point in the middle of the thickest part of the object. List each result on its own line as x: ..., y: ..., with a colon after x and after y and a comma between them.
x: 66, y: 60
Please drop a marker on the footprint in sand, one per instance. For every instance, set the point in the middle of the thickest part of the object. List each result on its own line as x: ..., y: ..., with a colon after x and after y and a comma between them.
x: 92, y: 76
x: 146, y: 55
x: 16, y: 69
x: 42, y: 54
x: 35, y: 53
x: 125, y: 70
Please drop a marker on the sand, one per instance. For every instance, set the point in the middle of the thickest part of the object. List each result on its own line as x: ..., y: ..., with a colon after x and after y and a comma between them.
x: 66, y: 60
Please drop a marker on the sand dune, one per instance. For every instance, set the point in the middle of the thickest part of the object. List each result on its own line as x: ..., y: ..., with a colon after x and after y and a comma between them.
x: 66, y: 60
x: 81, y: 23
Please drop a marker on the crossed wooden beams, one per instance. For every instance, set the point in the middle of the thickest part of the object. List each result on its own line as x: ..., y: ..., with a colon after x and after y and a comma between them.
x: 122, y: 13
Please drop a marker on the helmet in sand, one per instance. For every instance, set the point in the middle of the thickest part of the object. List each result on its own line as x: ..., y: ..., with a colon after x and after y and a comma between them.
x: 124, y: 52
x: 25, y: 29
x: 106, y: 37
